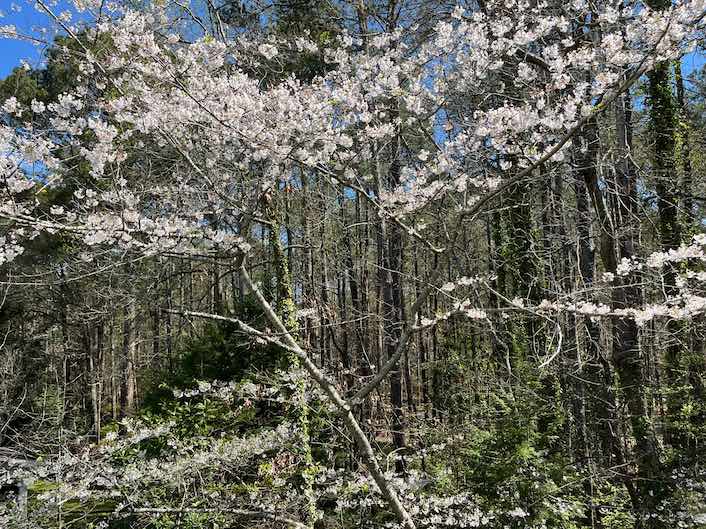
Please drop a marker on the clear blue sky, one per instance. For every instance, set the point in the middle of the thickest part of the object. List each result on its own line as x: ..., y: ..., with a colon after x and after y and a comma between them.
x: 27, y: 20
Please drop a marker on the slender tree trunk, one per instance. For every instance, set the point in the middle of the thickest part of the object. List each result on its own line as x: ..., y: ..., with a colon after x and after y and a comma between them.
x: 663, y: 120
x: 98, y: 380
x: 627, y: 356
x: 683, y: 129
x: 392, y: 301
x: 127, y: 387
x: 601, y: 396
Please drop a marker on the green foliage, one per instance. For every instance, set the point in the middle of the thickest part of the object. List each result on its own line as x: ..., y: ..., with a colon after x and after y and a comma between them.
x: 317, y: 19
x: 619, y: 515
x: 510, y: 474
x: 60, y: 75
x: 512, y: 457
x: 204, y: 417
x: 25, y: 85
x: 219, y: 352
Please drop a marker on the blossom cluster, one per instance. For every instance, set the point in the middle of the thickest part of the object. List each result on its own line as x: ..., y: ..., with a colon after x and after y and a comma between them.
x: 154, y: 95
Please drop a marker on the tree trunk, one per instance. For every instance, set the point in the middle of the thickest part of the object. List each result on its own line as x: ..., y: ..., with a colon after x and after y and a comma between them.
x: 127, y: 387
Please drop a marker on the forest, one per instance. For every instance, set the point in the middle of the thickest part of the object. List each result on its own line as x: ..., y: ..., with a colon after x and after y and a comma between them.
x: 336, y: 264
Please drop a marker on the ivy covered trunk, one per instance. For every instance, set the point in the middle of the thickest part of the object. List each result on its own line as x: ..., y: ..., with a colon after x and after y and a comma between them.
x: 289, y: 362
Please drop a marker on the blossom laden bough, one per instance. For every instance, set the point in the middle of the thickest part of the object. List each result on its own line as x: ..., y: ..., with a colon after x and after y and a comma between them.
x: 171, y: 145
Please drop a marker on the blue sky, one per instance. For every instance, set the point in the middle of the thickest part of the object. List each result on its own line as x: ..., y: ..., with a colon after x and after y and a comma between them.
x: 27, y: 20
x: 693, y: 61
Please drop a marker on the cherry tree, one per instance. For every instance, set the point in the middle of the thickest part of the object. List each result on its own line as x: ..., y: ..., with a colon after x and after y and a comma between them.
x: 188, y: 152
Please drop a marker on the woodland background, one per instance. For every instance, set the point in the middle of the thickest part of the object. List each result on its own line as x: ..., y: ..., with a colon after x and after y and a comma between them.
x: 601, y: 429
